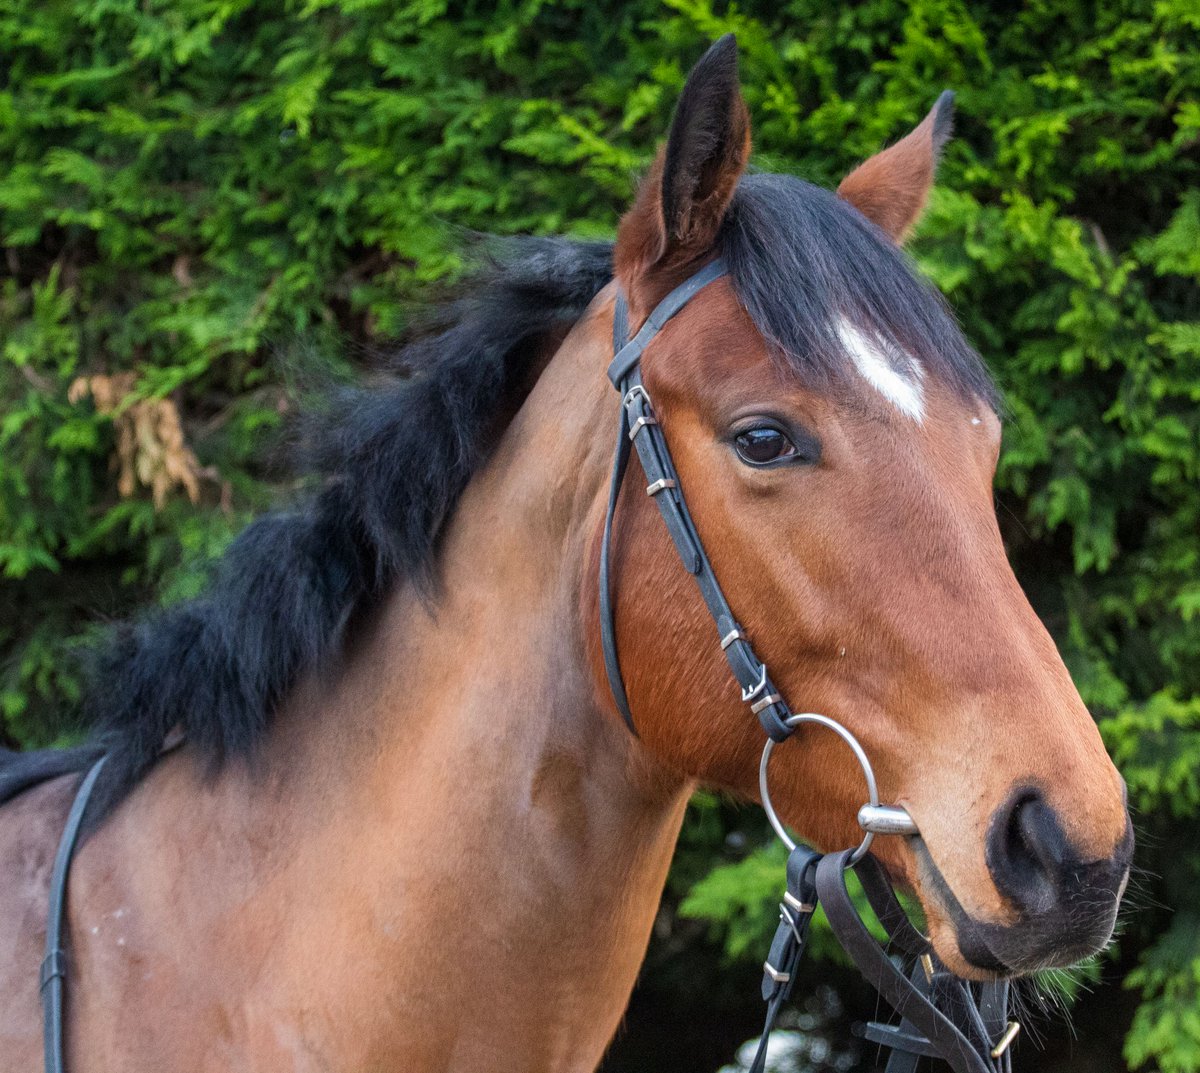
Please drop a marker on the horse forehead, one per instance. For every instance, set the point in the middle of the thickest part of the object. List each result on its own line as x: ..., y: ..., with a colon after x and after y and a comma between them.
x: 711, y: 345
x: 896, y: 375
x: 713, y: 352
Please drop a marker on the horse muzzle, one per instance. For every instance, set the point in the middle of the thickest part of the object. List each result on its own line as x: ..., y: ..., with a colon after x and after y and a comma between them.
x: 1065, y: 907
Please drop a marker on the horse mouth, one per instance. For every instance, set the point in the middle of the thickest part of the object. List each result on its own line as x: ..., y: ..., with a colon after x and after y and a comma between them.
x: 1057, y: 938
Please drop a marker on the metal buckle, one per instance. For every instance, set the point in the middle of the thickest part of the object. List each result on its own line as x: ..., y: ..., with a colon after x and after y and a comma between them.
x: 788, y: 917
x: 633, y: 393
x: 660, y: 485
x: 766, y: 702
x: 750, y: 692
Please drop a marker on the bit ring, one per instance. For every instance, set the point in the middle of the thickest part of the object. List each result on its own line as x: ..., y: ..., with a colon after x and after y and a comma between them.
x: 859, y: 754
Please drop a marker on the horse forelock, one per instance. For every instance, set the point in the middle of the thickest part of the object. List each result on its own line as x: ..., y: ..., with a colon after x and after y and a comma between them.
x: 832, y: 294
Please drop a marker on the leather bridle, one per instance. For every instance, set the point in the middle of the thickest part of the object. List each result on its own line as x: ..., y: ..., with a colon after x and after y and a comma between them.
x: 639, y: 427
x: 941, y: 1016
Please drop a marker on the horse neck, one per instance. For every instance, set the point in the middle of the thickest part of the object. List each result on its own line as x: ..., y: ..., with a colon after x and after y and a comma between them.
x: 446, y: 856
x: 488, y: 674
x: 481, y: 771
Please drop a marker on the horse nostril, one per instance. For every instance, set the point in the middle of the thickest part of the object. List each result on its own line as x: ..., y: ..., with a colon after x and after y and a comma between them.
x: 1027, y: 853
x: 1066, y: 901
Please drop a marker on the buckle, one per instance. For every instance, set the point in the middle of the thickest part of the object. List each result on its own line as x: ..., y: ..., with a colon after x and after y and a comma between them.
x: 1010, y: 1034
x: 750, y: 692
x: 636, y: 392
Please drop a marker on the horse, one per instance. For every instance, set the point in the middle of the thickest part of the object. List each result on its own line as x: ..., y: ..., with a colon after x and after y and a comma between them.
x: 369, y: 801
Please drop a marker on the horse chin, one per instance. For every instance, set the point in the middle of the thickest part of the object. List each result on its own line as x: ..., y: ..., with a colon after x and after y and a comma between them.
x: 963, y: 950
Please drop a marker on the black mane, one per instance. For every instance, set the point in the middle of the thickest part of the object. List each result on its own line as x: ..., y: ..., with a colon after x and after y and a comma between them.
x: 394, y: 460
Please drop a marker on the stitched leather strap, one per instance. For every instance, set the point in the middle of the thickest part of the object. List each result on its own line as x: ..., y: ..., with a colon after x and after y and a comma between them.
x: 787, y: 949
x: 639, y: 423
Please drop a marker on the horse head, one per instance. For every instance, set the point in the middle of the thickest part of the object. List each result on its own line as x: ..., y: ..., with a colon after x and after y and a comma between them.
x: 836, y: 440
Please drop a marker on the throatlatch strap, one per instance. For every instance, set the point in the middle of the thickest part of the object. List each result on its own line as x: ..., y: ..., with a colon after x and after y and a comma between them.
x: 639, y: 424
x: 608, y: 634
x: 54, y: 965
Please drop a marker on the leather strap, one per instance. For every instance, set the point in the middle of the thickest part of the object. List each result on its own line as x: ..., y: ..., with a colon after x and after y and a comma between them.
x: 887, y: 908
x: 626, y: 355
x: 787, y: 948
x: 608, y: 633
x: 967, y: 1052
x: 54, y: 965
x: 639, y: 424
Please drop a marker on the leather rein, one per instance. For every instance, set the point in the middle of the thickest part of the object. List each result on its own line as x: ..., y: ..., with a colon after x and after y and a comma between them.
x: 941, y: 1015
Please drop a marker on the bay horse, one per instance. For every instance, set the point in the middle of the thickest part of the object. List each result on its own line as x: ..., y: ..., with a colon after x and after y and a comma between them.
x: 406, y: 827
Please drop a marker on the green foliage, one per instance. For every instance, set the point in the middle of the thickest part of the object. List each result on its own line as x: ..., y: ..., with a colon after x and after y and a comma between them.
x: 1166, y: 1029
x: 188, y: 188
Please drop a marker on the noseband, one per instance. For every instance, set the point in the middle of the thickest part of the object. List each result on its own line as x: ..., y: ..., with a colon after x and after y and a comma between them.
x: 941, y: 1015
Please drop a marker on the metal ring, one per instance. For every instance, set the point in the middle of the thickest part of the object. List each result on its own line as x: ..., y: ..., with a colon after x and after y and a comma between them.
x: 868, y: 773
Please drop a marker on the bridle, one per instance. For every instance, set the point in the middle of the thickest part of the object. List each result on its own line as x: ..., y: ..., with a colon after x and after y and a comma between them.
x: 639, y: 428
x: 942, y: 1016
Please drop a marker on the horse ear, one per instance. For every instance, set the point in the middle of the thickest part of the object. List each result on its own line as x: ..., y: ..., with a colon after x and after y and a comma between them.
x: 892, y: 187
x: 681, y: 204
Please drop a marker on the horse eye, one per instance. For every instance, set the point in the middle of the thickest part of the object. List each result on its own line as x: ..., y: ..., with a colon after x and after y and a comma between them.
x: 762, y: 446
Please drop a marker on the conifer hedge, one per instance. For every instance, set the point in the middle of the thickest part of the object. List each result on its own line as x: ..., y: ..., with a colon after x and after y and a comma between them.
x: 189, y: 188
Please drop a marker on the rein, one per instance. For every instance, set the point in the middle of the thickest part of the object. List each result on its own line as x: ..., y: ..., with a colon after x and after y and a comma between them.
x: 942, y: 1016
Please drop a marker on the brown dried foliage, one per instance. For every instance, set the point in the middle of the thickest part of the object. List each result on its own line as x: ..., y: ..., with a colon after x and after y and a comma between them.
x: 150, y: 450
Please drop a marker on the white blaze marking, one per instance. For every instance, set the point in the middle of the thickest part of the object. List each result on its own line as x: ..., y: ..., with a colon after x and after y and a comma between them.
x: 872, y: 362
